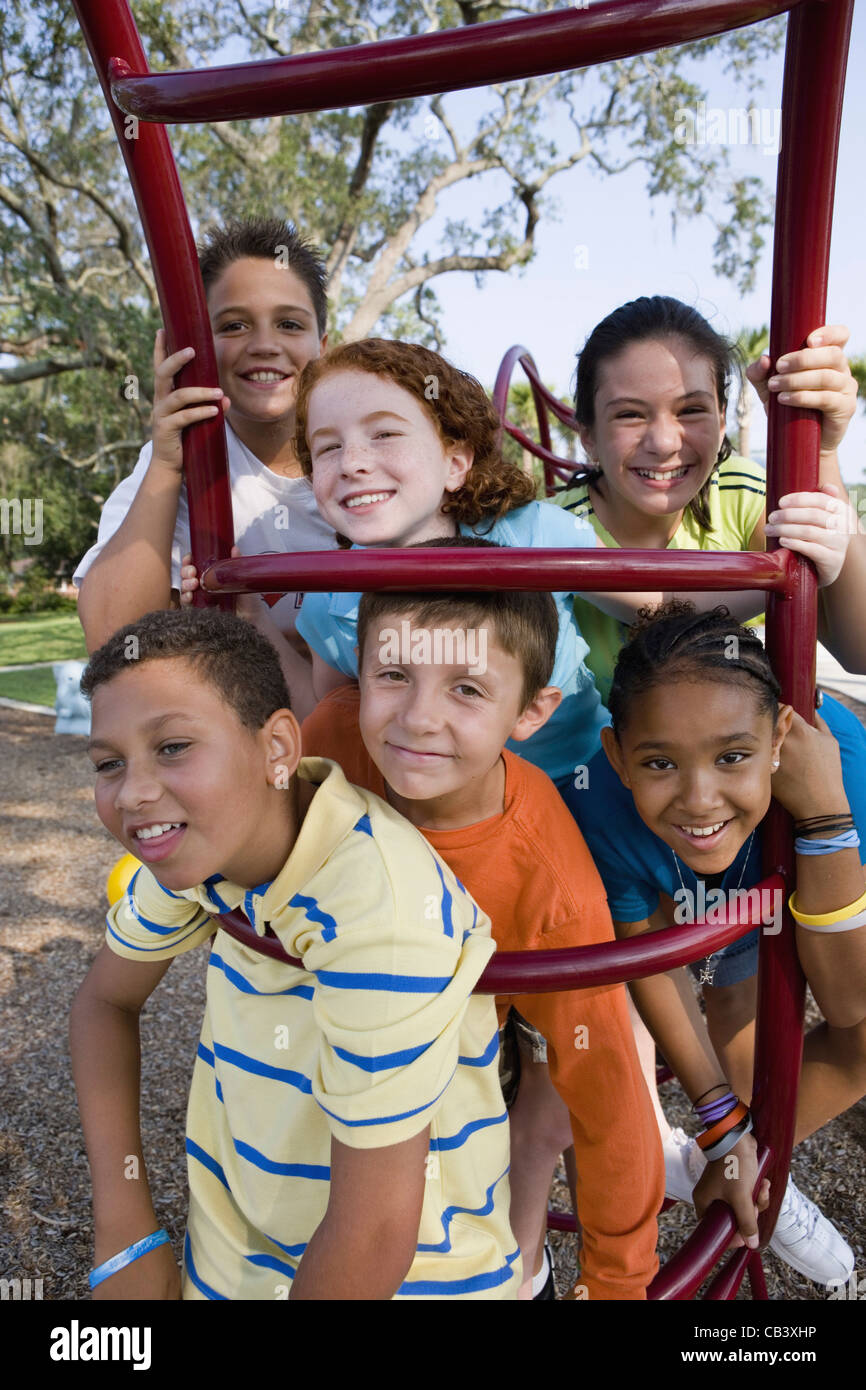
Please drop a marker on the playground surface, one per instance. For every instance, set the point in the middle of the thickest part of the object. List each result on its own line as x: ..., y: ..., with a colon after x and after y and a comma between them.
x: 54, y: 858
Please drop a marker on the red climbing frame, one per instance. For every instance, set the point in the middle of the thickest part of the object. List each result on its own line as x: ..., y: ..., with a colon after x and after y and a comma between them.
x: 818, y: 33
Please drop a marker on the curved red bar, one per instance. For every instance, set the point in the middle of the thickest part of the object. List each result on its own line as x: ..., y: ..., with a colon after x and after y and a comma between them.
x: 511, y: 569
x: 581, y: 967
x: 396, y: 69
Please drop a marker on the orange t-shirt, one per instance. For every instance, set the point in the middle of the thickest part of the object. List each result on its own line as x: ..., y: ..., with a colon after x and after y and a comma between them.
x: 529, y: 869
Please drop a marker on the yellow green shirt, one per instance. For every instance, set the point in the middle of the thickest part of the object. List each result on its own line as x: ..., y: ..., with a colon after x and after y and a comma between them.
x: 736, y: 505
x: 376, y: 1036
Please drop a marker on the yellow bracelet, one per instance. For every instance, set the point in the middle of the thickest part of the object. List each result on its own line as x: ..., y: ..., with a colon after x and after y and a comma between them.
x: 826, y: 919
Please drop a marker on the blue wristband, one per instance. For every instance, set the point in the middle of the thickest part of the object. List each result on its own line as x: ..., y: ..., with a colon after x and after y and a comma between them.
x: 126, y: 1257
x: 848, y: 839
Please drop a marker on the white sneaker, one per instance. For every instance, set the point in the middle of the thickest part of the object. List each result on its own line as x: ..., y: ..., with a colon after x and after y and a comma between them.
x: 684, y: 1164
x: 808, y: 1242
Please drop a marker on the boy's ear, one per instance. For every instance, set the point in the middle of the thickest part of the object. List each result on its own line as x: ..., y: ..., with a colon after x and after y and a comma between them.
x: 537, y: 712
x: 282, y: 734
x: 610, y: 744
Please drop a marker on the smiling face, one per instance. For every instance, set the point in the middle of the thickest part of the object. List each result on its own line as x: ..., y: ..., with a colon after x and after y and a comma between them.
x: 658, y: 427
x: 183, y: 784
x: 436, y: 731
x: 697, y: 757
x: 380, y: 468
x: 265, y: 331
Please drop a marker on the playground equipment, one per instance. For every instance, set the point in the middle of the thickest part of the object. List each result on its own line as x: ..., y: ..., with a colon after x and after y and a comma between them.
x: 140, y: 102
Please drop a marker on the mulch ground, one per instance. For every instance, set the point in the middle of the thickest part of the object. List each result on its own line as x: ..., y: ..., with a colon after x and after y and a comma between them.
x: 54, y: 858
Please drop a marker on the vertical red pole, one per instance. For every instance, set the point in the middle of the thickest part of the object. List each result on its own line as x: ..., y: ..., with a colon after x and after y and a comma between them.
x: 818, y: 34
x: 109, y: 28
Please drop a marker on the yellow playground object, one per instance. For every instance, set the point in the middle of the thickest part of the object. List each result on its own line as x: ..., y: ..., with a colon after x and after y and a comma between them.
x: 119, y: 875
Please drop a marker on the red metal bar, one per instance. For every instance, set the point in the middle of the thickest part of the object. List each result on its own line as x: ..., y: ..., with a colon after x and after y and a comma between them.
x: 815, y: 61
x: 757, y: 1282
x: 729, y: 1278
x: 109, y: 29
x: 580, y: 967
x: 517, y: 568
x: 455, y: 59
x: 544, y: 402
x: 685, y: 1271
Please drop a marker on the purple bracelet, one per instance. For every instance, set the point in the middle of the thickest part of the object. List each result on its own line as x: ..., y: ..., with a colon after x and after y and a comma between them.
x: 715, y: 1110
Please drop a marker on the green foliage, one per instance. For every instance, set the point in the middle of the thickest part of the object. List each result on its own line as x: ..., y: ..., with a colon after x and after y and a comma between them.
x: 378, y: 188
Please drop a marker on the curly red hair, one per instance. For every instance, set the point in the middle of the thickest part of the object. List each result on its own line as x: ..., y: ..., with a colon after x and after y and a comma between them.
x: 457, y: 404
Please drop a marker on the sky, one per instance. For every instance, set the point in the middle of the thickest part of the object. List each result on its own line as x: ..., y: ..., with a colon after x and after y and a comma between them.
x: 629, y: 249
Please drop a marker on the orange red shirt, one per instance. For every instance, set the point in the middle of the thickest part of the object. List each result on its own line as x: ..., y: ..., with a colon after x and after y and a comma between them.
x: 530, y: 871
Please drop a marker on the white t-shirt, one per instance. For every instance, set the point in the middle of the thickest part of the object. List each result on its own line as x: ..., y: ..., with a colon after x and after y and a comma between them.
x: 272, y: 515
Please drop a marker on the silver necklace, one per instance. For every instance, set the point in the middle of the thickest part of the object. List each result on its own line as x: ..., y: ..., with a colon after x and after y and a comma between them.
x: 708, y: 970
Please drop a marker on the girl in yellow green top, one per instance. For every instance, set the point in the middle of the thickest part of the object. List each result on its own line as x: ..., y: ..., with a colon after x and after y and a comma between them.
x: 652, y: 388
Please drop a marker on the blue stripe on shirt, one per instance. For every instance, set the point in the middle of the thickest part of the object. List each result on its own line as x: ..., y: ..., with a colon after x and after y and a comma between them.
x: 449, y: 1214
x: 242, y: 983
x: 271, y: 1262
x: 363, y: 826
x: 395, y: 984
x: 196, y: 1151
x: 442, y: 1288
x: 386, y: 1060
x: 487, y: 1055
x: 447, y: 1142
x: 316, y: 914
x: 196, y: 1278
x: 252, y: 1064
x: 284, y: 1170
x: 387, y: 1119
x: 447, y: 920
x: 131, y: 945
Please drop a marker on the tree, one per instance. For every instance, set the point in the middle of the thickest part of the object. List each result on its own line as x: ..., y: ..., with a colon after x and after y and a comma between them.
x: 379, y: 189
x: 751, y: 342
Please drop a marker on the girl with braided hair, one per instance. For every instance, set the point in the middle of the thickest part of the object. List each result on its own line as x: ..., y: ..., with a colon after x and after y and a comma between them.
x: 672, y: 814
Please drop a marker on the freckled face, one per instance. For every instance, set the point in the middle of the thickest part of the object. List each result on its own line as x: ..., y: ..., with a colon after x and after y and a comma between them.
x: 697, y: 757
x: 380, y: 469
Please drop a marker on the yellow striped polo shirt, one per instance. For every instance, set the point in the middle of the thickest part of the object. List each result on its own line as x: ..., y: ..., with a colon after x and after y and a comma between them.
x: 737, y: 496
x: 376, y: 1036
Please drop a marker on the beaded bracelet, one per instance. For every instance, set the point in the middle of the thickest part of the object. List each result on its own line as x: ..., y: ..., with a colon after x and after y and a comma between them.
x: 127, y: 1256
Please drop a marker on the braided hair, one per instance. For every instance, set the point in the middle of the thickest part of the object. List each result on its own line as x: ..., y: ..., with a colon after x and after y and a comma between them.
x: 675, y: 642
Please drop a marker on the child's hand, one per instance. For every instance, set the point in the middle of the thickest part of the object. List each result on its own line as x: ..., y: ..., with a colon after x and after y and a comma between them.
x: 809, y: 779
x: 174, y: 410
x: 153, y: 1277
x: 817, y: 377
x: 248, y: 606
x: 737, y: 1191
x: 818, y: 525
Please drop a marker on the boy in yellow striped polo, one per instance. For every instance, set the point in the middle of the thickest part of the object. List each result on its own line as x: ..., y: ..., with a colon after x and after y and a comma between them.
x: 346, y: 1134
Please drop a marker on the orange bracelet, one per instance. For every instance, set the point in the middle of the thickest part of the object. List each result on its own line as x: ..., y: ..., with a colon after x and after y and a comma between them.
x: 728, y: 1122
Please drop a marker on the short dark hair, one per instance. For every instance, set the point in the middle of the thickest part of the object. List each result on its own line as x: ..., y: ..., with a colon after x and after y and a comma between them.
x: 655, y: 318
x: 525, y: 623
x: 224, y: 650
x: 266, y: 238
x: 675, y: 642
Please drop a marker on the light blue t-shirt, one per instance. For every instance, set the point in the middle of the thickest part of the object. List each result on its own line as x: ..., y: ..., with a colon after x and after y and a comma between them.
x: 329, y: 623
x: 636, y: 865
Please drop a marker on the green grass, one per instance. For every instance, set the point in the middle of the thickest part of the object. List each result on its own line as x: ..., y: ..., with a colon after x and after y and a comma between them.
x: 43, y: 637
x: 36, y: 687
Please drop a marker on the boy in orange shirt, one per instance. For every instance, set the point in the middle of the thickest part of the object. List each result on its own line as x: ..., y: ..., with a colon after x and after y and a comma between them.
x: 445, y: 680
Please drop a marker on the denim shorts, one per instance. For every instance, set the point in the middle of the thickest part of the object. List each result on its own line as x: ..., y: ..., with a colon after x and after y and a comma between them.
x: 733, y: 963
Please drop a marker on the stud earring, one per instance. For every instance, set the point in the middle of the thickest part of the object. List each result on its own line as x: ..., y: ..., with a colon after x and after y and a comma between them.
x: 774, y: 767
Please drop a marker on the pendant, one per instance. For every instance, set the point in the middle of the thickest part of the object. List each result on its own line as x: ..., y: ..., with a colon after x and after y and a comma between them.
x: 707, y: 972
